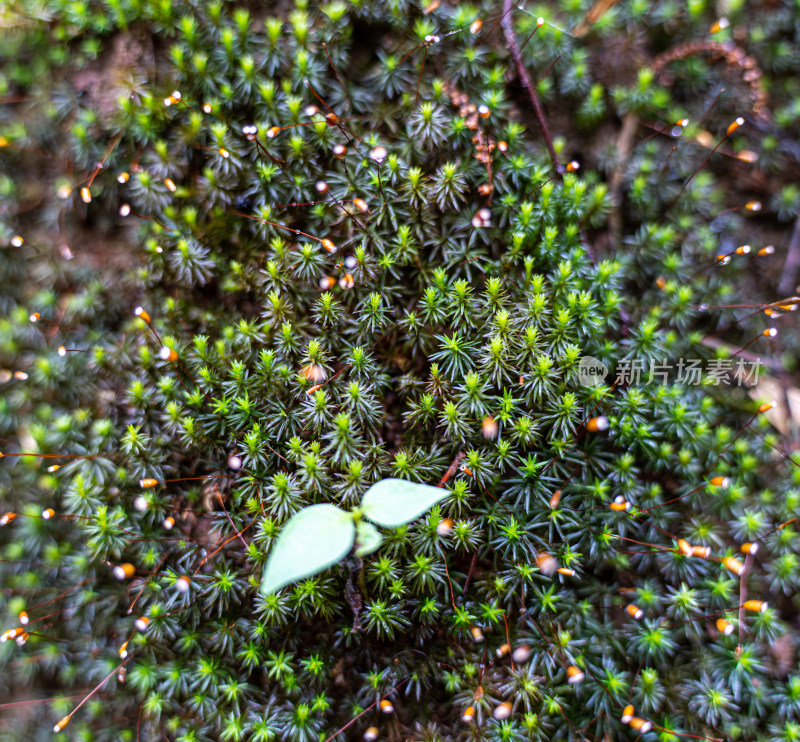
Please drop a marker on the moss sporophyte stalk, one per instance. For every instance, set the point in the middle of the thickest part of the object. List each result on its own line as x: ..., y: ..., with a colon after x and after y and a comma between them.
x: 399, y: 370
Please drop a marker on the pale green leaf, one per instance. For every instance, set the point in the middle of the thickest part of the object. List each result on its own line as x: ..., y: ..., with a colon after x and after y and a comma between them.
x: 313, y: 539
x: 395, y: 502
x: 368, y: 539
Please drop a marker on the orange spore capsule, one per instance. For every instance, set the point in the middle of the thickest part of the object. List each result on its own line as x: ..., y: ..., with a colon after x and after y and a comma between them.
x: 386, y: 707
x: 502, y: 712
x: 489, y: 428
x: 734, y: 125
x: 24, y: 619
x: 347, y: 281
x: 749, y: 548
x: 574, y: 675
x: 475, y: 26
x: 142, y: 623
x: 503, y: 650
x: 502, y: 146
x: 61, y: 724
x: 546, y: 563
x: 685, y: 547
x: 48, y: 513
x: 756, y: 606
x: 640, y: 725
x: 720, y: 481
x: 142, y: 314
x: 627, y: 714
x: 724, y: 627
x: 148, y: 483
x: 468, y: 715
x: 124, y: 571
x: 6, y: 518
x: 123, y: 650
x: 719, y: 25
x: 767, y: 250
x: 371, y: 734
x: 566, y: 571
x: 770, y: 332
x: 701, y: 551
x: 742, y: 250
x: 331, y: 119
x: 661, y: 282
x: 444, y: 527
x: 328, y: 246
x: 555, y: 499
x: 620, y: 504
x: 766, y: 407
x: 168, y: 354
x: 86, y: 195
x: 734, y: 565
x: 634, y: 611
x: 477, y: 634
x: 170, y: 184
x: 597, y: 424
x: 168, y: 523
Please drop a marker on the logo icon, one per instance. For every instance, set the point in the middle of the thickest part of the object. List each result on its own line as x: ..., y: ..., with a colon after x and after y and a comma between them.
x: 591, y: 371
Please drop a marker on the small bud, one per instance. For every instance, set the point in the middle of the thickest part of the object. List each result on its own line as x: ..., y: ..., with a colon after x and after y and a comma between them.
x: 634, y: 611
x: 597, y: 424
x: 142, y: 314
x: 386, y: 707
x: 148, y: 483
x: 477, y: 634
x: 168, y: 354
x: 724, y: 627
x: 627, y: 714
x: 620, y: 504
x: 489, y: 428
x: 468, y: 716
x: 640, y: 725
x: 502, y: 712
x: 124, y: 571
x: 61, y: 724
x: 719, y: 25
x: 521, y: 654
x: 735, y: 125
x: 48, y: 513
x: 574, y: 675
x: 141, y: 623
x: 546, y: 563
x: 378, y: 154
x: 503, y: 650
x: 168, y: 523
x: 756, y: 606
x: 734, y: 565
x: 328, y: 246
x: 371, y: 734
x: 749, y: 548
x: 720, y: 481
x: 444, y: 527
x: 475, y: 26
x: 86, y: 195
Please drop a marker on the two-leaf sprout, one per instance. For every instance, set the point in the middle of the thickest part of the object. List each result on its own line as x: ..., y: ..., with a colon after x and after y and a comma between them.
x: 321, y: 535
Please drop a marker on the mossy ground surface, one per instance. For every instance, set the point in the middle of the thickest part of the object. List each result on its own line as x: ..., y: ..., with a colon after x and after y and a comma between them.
x: 347, y: 222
